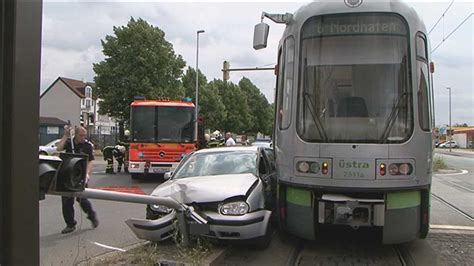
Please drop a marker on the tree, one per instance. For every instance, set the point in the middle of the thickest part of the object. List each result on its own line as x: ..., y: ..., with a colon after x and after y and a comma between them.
x: 260, y: 110
x: 138, y: 62
x: 238, y: 117
x: 189, y: 83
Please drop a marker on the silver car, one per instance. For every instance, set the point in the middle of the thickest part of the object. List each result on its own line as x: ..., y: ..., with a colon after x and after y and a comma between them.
x: 231, y: 187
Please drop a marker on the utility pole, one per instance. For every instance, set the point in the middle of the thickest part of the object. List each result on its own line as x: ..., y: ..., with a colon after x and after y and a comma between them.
x: 196, y: 108
x: 450, y: 128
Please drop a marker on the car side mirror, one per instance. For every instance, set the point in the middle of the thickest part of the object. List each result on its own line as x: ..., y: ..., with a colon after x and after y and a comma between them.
x: 167, y: 175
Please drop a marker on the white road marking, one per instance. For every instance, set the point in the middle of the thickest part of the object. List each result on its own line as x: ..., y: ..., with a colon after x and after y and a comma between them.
x: 463, y: 172
x: 451, y: 227
x: 108, y: 247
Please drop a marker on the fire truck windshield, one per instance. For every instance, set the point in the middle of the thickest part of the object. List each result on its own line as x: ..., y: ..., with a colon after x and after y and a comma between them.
x: 162, y: 124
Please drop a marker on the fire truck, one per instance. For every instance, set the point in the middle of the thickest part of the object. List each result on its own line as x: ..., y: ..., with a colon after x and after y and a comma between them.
x: 162, y: 133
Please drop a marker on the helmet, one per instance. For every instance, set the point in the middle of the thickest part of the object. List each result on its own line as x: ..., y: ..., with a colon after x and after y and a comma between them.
x: 207, y: 137
x: 126, y: 132
x: 120, y: 148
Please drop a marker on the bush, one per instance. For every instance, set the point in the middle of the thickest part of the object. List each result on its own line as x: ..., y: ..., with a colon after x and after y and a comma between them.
x: 438, y: 163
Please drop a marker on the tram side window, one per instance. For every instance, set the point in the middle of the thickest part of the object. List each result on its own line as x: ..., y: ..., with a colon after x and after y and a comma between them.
x: 285, y: 86
x: 424, y: 103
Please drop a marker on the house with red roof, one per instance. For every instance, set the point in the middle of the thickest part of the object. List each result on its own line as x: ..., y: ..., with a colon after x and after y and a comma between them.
x: 73, y: 100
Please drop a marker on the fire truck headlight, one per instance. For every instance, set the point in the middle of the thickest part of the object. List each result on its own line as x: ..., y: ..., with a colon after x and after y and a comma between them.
x: 134, y: 166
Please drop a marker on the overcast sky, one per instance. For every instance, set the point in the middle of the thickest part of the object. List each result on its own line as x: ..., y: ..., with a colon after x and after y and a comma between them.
x: 72, y: 31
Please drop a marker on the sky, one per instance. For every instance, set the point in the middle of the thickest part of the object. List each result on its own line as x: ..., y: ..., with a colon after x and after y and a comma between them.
x: 72, y: 31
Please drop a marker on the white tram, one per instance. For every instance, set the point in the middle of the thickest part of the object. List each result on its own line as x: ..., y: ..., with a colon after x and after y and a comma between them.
x: 354, y: 117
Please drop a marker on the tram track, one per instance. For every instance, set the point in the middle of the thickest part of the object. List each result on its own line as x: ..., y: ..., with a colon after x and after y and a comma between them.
x: 453, y: 207
x: 390, y: 255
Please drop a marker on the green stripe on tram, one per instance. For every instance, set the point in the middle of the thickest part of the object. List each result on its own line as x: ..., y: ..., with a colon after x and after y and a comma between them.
x: 298, y: 196
x: 402, y: 200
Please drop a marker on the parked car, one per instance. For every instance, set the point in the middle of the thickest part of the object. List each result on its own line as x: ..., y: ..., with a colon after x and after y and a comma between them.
x: 449, y: 144
x: 267, y: 143
x: 233, y: 188
x: 50, y: 148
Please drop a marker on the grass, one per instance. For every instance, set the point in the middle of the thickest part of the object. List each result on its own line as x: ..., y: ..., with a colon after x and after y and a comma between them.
x: 438, y: 163
x: 170, y: 252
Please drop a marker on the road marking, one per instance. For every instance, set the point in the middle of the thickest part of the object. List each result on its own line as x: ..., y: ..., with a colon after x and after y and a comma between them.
x: 451, y: 227
x: 108, y: 247
x: 463, y: 172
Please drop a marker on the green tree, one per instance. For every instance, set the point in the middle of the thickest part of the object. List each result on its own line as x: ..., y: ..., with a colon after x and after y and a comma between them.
x: 189, y: 83
x: 259, y: 108
x: 237, y: 115
x: 138, y: 62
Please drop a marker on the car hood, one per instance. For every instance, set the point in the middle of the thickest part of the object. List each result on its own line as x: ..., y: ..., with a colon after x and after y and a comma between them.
x: 206, y: 188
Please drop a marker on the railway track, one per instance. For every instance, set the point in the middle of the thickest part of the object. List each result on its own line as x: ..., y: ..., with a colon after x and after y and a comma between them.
x: 453, y: 207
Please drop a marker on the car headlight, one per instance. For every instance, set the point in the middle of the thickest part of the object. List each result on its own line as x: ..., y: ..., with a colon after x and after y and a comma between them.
x: 234, y: 208
x: 160, y: 208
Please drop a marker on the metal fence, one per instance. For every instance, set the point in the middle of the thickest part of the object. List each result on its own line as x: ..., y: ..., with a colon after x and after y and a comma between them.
x: 100, y: 141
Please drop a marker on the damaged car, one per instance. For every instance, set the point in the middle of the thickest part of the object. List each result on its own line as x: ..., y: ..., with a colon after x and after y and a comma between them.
x: 232, y: 188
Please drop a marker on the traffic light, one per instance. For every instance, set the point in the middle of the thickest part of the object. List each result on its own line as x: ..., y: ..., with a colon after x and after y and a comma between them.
x: 66, y: 173
x: 91, y: 119
x: 225, y: 70
x: 81, y: 118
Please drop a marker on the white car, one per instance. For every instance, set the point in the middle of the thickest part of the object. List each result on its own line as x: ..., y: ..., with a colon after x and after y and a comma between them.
x: 449, y: 144
x: 266, y: 143
x: 232, y: 188
x: 50, y: 148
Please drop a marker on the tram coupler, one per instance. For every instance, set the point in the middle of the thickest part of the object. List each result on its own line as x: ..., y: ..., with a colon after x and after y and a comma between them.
x: 354, y: 212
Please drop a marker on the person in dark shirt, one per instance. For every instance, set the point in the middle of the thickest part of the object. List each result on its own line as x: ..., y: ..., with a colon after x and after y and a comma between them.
x: 81, y: 145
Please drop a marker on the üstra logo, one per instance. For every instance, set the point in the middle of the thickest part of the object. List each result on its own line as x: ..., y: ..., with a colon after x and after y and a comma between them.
x: 353, y: 3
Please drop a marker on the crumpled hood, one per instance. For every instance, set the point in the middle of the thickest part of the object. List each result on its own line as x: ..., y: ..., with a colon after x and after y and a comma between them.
x: 206, y: 188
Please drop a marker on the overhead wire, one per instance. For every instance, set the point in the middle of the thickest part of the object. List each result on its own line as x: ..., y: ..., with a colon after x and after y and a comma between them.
x: 445, y: 38
x: 441, y: 17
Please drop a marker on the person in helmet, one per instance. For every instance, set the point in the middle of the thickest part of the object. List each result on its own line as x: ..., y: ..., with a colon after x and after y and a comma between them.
x: 108, y: 153
x: 119, y: 154
x: 125, y: 142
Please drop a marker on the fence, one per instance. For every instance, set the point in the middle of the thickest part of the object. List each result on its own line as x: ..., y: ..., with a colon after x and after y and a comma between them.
x: 100, y: 141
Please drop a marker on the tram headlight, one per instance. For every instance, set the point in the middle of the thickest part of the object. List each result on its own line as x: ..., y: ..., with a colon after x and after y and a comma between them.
x: 314, y: 167
x: 400, y: 169
x: 303, y: 167
x: 393, y: 169
x: 405, y: 169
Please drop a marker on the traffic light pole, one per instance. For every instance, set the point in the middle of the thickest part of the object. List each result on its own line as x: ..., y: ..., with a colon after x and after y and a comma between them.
x: 225, y: 69
x: 183, y: 210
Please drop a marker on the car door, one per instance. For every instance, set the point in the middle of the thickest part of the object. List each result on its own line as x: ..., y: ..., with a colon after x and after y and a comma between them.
x: 267, y: 174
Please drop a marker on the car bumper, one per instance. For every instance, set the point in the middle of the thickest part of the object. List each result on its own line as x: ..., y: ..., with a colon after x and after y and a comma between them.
x: 218, y: 226
x: 154, y: 168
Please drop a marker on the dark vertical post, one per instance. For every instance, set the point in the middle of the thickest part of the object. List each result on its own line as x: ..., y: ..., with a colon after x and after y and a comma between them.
x: 20, y: 43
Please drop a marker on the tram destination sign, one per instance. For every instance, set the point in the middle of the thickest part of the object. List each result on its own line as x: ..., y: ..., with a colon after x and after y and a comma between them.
x: 353, y: 25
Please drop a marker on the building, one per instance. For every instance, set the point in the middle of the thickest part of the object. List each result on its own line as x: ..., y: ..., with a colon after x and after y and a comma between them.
x: 73, y: 101
x: 464, y: 136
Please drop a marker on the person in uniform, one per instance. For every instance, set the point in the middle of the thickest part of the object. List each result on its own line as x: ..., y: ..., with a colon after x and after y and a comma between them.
x: 119, y: 154
x: 108, y: 153
x: 78, y: 144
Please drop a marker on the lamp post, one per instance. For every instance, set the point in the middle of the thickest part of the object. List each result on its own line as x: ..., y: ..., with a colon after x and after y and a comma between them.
x: 450, y: 129
x: 197, y: 85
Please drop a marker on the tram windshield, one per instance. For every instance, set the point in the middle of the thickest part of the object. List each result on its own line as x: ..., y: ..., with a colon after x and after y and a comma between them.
x: 354, y: 80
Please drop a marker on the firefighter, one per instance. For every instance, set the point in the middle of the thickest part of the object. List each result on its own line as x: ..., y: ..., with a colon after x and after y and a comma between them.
x: 125, y: 142
x: 108, y: 153
x: 119, y: 154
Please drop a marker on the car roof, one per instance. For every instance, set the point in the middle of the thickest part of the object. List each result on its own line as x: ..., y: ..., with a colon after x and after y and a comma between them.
x: 229, y: 148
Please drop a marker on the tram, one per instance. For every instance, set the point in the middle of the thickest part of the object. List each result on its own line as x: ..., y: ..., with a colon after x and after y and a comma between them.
x: 353, y: 118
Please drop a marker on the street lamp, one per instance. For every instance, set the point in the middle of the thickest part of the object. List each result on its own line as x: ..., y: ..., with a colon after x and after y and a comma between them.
x: 197, y: 86
x: 450, y: 129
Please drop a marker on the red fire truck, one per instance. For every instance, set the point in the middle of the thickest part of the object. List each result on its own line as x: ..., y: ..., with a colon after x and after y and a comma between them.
x: 162, y: 133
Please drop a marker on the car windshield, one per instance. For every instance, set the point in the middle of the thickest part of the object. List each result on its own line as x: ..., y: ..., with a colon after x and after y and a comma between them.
x: 218, y: 163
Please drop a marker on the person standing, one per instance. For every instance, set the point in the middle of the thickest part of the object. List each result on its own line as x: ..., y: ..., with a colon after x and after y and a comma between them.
x: 80, y: 145
x: 229, y: 141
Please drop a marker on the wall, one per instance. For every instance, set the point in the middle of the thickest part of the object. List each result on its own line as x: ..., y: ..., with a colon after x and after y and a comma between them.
x: 61, y: 102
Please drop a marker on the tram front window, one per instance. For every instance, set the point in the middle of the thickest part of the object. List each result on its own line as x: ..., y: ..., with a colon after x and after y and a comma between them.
x: 354, y: 80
